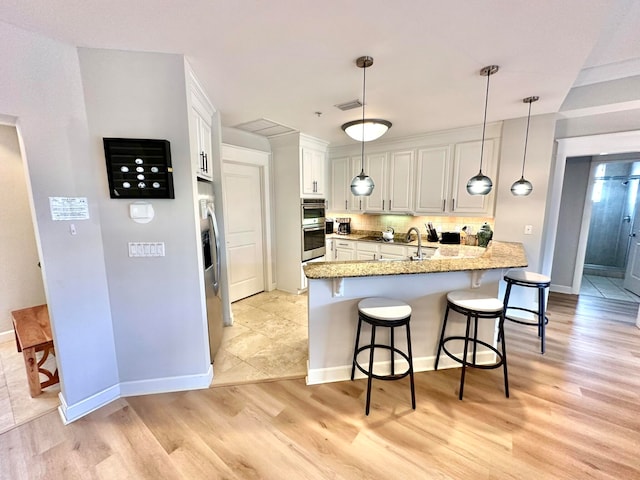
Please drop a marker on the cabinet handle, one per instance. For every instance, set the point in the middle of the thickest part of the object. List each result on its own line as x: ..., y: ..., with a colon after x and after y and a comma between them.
x: 360, y: 204
x: 382, y: 204
x: 453, y: 204
x: 389, y: 204
x: 374, y: 256
x: 346, y: 205
x: 444, y: 204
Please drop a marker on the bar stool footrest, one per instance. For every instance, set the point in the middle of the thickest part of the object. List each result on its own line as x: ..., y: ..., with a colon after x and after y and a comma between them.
x: 396, y: 376
x: 498, y: 364
x: 525, y: 322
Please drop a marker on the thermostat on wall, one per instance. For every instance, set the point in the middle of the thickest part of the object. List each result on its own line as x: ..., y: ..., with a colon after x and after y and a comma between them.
x: 141, y: 212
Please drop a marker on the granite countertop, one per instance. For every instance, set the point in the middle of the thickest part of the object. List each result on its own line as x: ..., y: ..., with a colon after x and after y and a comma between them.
x: 399, y: 239
x: 447, y: 258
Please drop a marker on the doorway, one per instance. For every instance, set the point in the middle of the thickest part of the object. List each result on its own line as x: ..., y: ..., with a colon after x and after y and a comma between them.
x: 246, y: 192
x: 611, y: 208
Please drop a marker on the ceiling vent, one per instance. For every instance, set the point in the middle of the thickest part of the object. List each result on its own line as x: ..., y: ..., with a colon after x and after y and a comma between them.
x: 265, y: 127
x: 349, y: 105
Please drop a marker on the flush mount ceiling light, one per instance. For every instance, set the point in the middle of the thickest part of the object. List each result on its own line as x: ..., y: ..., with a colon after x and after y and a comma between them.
x: 362, y: 185
x: 481, y: 184
x: 522, y: 187
x: 366, y: 129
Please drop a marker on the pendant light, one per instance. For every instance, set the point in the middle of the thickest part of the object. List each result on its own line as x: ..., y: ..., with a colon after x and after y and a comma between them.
x: 481, y: 184
x: 522, y: 187
x: 362, y: 185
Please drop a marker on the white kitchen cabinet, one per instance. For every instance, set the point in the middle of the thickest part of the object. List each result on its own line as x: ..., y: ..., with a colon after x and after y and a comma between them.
x: 390, y: 251
x: 442, y: 175
x: 344, y: 249
x: 393, y: 175
x: 201, y: 119
x: 367, y: 251
x: 341, y: 199
x: 433, y: 179
x: 314, y: 171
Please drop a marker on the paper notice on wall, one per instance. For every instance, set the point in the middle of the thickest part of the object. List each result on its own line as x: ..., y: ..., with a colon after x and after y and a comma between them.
x: 69, y: 208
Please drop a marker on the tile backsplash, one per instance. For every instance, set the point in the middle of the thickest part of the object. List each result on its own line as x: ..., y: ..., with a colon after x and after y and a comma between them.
x: 402, y: 223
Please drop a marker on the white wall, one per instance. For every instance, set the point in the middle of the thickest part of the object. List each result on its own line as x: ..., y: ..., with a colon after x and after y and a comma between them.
x: 572, y: 201
x: 159, y: 325
x: 20, y: 277
x: 41, y: 87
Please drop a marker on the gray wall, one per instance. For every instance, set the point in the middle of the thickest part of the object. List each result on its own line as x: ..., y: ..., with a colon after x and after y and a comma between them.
x: 159, y: 326
x: 42, y: 89
x: 574, y: 191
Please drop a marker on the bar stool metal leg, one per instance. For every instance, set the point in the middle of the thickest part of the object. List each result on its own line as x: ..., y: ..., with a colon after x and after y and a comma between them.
x: 464, y: 356
x: 504, y: 356
x: 370, y: 374
x: 413, y: 388
x: 541, y: 317
x: 393, y: 367
x: 355, y: 350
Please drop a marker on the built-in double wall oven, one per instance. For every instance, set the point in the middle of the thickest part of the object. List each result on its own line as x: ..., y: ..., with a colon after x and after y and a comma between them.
x: 313, y: 228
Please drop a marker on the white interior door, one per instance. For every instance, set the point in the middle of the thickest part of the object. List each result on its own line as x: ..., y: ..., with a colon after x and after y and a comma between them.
x: 242, y: 190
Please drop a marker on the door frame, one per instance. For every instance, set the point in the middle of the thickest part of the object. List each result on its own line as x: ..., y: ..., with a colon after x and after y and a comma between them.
x: 261, y: 159
x: 592, y: 145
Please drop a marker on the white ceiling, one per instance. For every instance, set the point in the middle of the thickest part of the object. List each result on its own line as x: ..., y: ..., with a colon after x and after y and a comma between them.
x: 287, y: 59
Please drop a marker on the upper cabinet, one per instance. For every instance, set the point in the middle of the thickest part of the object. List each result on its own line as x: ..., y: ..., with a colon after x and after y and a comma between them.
x: 442, y: 176
x: 424, y: 175
x: 201, y: 113
x: 393, y: 174
x: 314, y: 171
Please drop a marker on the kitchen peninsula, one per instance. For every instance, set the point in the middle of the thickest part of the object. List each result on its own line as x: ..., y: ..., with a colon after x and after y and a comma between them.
x: 335, y: 288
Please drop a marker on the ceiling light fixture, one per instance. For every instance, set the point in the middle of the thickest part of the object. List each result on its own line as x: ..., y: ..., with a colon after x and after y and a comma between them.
x: 481, y: 184
x: 362, y: 185
x: 522, y: 187
x: 366, y: 129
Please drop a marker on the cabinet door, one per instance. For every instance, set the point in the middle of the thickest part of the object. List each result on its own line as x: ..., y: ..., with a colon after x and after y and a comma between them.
x: 393, y: 252
x: 201, y: 124
x: 466, y: 165
x: 432, y: 179
x: 375, y: 166
x: 400, y: 175
x: 329, y: 254
x: 206, y: 169
x: 340, y: 184
x: 313, y: 172
x: 356, y: 204
x: 367, y: 251
x: 344, y: 250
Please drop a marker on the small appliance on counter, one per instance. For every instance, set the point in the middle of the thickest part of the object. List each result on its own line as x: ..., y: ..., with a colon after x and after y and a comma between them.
x: 344, y: 226
x: 450, y: 238
x: 328, y: 224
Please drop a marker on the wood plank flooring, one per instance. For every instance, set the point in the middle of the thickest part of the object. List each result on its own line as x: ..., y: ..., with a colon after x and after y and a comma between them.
x: 573, y: 414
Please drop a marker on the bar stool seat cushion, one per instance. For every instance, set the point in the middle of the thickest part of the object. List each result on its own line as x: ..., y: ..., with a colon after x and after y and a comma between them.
x: 474, y: 301
x: 527, y: 277
x: 382, y: 308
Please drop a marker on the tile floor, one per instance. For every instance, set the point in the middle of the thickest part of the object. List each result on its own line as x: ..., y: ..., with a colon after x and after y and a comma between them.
x: 268, y: 340
x: 16, y: 405
x: 606, y: 287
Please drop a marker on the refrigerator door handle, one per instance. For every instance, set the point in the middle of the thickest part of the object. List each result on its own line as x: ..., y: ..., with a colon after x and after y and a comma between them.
x: 213, y: 226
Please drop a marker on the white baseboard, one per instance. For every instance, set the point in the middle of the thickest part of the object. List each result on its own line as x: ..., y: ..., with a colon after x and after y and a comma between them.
x: 71, y: 413
x: 167, y: 384
x: 561, y: 289
x: 420, y: 364
x: 7, y: 336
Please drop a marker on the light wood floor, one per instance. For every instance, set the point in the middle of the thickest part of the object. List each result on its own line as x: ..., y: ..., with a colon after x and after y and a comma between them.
x: 573, y: 414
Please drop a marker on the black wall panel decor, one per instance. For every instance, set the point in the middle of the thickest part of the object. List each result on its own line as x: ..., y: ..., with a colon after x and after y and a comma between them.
x: 139, y: 168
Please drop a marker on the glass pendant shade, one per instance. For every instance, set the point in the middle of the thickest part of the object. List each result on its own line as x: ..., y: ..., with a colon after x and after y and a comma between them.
x: 362, y: 185
x: 521, y: 188
x: 367, y: 129
x: 479, y: 185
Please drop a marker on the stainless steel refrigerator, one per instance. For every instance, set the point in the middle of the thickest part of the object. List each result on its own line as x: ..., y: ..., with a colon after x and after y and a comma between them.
x: 210, y: 241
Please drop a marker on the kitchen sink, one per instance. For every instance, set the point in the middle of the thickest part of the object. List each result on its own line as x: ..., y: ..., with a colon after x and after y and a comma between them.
x: 376, y: 238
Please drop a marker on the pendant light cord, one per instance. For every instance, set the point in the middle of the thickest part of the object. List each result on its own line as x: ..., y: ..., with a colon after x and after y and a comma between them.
x: 364, y: 90
x: 484, y: 123
x: 526, y: 139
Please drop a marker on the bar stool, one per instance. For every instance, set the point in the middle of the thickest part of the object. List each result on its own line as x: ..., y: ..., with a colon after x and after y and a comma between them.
x: 530, y: 280
x: 476, y: 305
x: 383, y: 312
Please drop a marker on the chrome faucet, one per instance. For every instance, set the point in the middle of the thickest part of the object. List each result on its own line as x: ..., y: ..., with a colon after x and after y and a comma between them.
x: 419, y: 255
